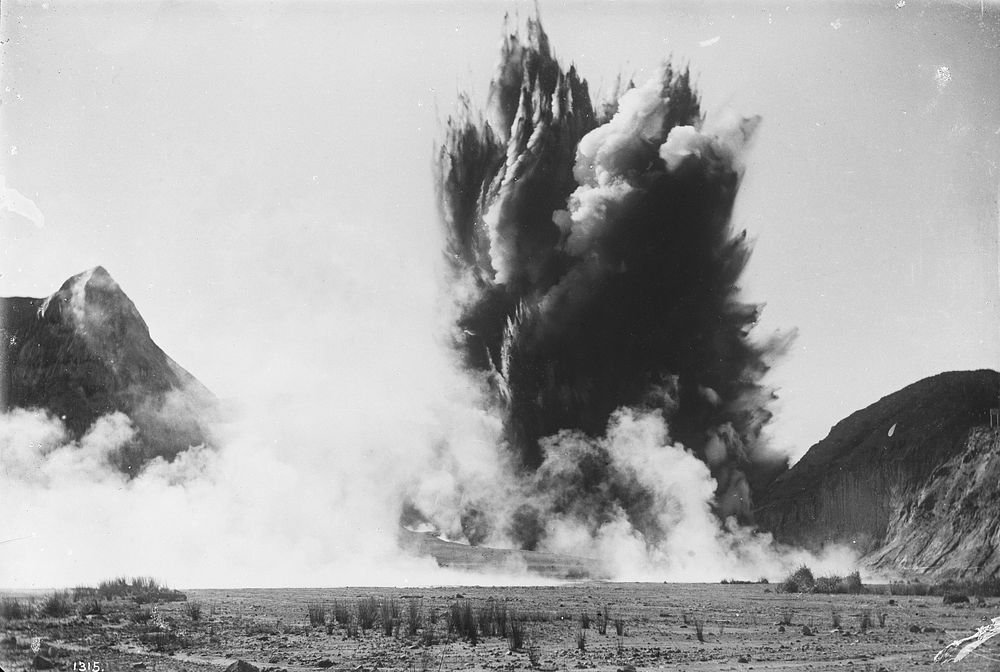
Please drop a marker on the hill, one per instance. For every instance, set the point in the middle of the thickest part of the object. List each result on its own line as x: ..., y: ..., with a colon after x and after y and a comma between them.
x: 911, y: 481
x: 84, y: 352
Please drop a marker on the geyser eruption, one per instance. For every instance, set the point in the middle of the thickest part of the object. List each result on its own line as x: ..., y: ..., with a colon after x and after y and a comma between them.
x: 596, y: 273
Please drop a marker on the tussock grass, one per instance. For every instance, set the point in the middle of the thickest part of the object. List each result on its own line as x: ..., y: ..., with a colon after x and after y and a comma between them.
x: 865, y: 620
x: 367, y: 612
x: 90, y: 607
x: 786, y: 616
x: 390, y: 615
x: 13, y: 609
x: 515, y: 633
x: 341, y: 612
x: 602, y: 621
x: 534, y: 654
x: 141, y: 615
x: 492, y: 618
x: 193, y: 610
x: 581, y: 640
x: 462, y: 621
x: 699, y: 628
x: 428, y: 636
x: 58, y: 605
x: 317, y: 614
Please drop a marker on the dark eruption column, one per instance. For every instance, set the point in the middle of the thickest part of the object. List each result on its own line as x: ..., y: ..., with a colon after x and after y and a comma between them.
x: 597, y: 269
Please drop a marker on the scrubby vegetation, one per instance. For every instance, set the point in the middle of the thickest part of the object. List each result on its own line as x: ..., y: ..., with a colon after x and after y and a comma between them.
x: 58, y: 605
x: 13, y: 609
x: 803, y: 581
x: 989, y: 587
x: 139, y: 589
x: 317, y: 614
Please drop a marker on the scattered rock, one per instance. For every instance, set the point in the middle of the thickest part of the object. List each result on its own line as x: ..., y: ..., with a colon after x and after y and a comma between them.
x: 326, y: 662
x: 781, y: 628
x: 627, y: 668
x: 806, y: 631
x: 40, y: 662
x: 929, y: 628
x: 914, y: 628
x: 892, y: 603
x: 956, y: 598
x: 242, y: 666
x: 139, y: 666
x: 744, y: 659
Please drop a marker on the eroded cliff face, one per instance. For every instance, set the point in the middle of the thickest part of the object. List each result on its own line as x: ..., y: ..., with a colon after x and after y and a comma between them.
x: 85, y: 352
x: 864, y: 483
x: 950, y: 527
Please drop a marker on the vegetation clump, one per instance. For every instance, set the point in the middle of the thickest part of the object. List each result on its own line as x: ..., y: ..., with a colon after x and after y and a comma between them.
x: 139, y: 589
x: 58, y: 605
x: 13, y: 609
x: 803, y: 581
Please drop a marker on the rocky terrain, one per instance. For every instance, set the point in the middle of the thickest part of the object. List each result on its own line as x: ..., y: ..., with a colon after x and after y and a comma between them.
x: 84, y: 352
x: 741, y: 627
x: 911, y: 481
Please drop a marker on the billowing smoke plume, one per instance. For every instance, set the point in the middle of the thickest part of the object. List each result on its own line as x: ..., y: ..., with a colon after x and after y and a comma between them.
x: 597, y: 292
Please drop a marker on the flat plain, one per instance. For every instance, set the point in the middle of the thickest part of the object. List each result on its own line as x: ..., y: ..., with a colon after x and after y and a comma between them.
x: 743, y: 627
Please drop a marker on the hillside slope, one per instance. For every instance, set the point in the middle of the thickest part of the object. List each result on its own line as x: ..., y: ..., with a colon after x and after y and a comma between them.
x: 84, y: 352
x: 905, y: 481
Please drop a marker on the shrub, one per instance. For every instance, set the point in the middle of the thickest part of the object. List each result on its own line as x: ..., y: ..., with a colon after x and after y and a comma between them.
x: 317, y: 614
x: 786, y: 616
x: 699, y: 628
x: 619, y: 627
x: 827, y: 584
x: 584, y: 620
x: 581, y: 640
x: 881, y: 618
x: 956, y: 598
x: 852, y: 583
x: 803, y: 578
x: 58, y: 604
x: 789, y: 585
x: 835, y: 617
x: 141, y: 589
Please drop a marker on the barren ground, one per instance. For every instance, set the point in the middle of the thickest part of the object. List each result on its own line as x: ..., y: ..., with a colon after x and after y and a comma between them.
x: 742, y: 631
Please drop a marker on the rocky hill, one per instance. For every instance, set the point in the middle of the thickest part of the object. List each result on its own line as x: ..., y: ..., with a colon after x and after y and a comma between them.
x: 84, y: 352
x: 912, y: 481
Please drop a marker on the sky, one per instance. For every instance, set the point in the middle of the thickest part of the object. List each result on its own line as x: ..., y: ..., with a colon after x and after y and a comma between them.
x: 257, y: 178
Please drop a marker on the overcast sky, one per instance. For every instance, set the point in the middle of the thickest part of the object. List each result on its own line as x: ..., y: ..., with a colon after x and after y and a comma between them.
x: 258, y: 178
